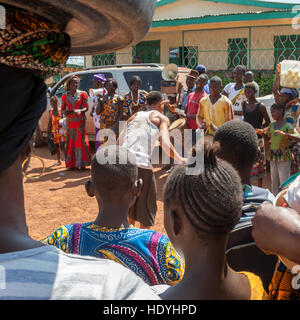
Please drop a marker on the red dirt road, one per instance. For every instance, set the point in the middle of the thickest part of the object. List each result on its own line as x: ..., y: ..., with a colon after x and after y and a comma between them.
x: 59, y: 197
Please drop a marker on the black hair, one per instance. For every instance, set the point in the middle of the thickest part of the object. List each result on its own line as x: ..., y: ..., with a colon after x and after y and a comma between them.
x: 249, y: 73
x: 201, y: 76
x: 251, y: 85
x: 113, y: 81
x: 112, y: 175
x: 216, y: 79
x: 153, y: 97
x: 54, y: 98
x: 240, y: 68
x: 279, y: 107
x: 238, y: 144
x: 134, y: 79
x: 211, y: 199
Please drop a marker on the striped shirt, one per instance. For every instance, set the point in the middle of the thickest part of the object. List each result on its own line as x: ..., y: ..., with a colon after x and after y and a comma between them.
x: 48, y: 273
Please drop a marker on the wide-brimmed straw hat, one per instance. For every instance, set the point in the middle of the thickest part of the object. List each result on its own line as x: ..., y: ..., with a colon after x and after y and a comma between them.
x: 96, y: 26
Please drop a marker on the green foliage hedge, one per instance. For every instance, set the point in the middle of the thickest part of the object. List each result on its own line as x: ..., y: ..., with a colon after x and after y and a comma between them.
x: 264, y: 79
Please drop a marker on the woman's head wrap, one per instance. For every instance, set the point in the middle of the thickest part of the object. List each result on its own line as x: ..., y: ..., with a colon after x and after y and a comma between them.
x: 99, y: 77
x: 67, y: 86
x: 23, y: 101
x: 293, y: 93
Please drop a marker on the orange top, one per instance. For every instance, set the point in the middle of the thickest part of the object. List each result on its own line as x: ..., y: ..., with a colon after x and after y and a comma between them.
x: 257, y: 288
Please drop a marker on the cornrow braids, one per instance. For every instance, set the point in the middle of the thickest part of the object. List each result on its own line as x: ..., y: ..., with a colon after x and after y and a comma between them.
x: 211, y: 200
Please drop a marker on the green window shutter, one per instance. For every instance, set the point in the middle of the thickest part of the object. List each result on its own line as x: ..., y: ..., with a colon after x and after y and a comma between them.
x: 148, y: 51
x: 286, y: 47
x: 237, y: 52
x: 104, y: 59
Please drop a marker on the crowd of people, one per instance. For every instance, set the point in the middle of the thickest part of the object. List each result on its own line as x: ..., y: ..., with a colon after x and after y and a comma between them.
x: 111, y: 258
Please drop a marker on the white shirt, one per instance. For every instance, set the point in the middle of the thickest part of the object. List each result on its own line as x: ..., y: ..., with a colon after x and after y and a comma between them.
x: 47, y: 273
x: 140, y: 138
x: 232, y: 93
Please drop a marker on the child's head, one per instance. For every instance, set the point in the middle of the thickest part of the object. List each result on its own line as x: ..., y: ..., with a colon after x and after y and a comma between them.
x: 54, y: 102
x: 190, y: 81
x: 239, y: 73
x: 277, y: 111
x: 215, y: 85
x: 201, y: 81
x: 238, y: 145
x: 250, y: 90
x: 114, y: 176
x: 209, y: 203
x: 249, y: 76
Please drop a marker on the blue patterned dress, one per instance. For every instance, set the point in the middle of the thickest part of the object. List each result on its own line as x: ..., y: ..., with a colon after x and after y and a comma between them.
x: 147, y: 253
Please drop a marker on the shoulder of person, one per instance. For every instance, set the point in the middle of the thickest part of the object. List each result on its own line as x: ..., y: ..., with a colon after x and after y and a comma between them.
x: 229, y: 85
x: 162, y: 118
x: 204, y: 98
x: 83, y: 94
x: 109, y: 279
x: 226, y: 99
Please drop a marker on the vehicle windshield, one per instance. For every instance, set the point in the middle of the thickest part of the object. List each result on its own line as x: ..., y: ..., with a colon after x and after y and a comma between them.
x: 86, y: 83
x: 151, y: 80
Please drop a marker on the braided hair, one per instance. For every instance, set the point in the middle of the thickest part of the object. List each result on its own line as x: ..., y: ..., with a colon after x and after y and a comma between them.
x: 212, y: 199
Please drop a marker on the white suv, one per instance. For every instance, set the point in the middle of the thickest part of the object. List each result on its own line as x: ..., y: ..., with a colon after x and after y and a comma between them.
x: 149, y: 73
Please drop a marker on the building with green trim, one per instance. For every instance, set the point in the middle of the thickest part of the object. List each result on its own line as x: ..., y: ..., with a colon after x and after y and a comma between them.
x: 219, y: 34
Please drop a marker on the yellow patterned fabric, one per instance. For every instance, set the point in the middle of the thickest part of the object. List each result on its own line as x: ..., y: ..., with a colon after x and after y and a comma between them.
x: 218, y: 113
x: 257, y: 288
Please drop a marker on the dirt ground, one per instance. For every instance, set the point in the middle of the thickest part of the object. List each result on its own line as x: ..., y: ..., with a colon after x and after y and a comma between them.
x: 58, y: 197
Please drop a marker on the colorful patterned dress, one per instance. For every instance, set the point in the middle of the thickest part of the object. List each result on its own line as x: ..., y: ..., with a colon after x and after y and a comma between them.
x: 131, y: 108
x: 147, y: 253
x: 109, y: 119
x: 78, y: 152
x: 56, y: 131
x: 280, y: 145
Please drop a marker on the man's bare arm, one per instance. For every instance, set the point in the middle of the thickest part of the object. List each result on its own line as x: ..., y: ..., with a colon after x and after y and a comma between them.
x: 165, y: 141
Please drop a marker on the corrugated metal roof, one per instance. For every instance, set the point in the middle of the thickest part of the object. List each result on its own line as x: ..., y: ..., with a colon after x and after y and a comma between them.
x: 220, y: 15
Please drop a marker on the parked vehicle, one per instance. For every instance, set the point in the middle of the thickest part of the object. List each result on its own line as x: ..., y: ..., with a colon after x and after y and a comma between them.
x: 149, y: 73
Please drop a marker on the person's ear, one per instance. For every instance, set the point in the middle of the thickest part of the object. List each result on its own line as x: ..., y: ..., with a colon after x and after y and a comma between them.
x: 89, y: 188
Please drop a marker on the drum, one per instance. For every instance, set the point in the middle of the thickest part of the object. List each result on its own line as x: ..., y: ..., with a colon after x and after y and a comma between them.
x: 176, y: 129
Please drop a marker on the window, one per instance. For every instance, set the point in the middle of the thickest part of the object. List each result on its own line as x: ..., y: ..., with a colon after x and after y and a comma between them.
x: 190, y: 55
x: 286, y: 48
x: 104, y: 59
x: 86, y: 82
x: 151, y: 80
x: 147, y: 52
x: 237, y: 52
